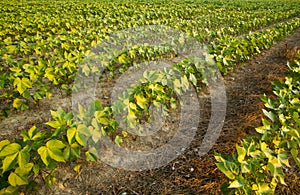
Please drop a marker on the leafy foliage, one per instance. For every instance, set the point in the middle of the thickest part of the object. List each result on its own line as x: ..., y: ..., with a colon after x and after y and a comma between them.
x: 260, y: 161
x: 41, y: 45
x: 42, y: 51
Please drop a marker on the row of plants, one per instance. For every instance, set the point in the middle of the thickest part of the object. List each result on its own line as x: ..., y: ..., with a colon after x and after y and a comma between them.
x: 41, y: 52
x: 261, y: 160
x: 37, y: 153
x: 230, y: 51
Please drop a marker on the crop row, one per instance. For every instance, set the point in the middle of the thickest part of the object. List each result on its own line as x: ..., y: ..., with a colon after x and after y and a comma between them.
x: 46, y: 47
x: 27, y: 158
x: 261, y: 160
x: 42, y: 48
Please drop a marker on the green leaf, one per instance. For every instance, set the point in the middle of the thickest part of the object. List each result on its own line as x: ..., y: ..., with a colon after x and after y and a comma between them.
x: 17, y: 180
x: 36, y: 169
x: 235, y: 184
x: 43, y: 152
x: 270, y: 115
x: 23, y: 157
x: 131, y: 119
x: 52, y: 150
x: 10, y: 149
x: 32, y: 131
x: 72, y: 151
x: 101, y: 117
x: 283, y: 157
x: 228, y: 173
x: 296, y: 118
x: 193, y: 79
x: 8, y: 162
x: 83, y: 130
x: 10, y: 190
x: 96, y: 133
x: 71, y: 132
x: 32, y: 134
x: 54, y: 124
x: 241, y: 153
x: 184, y: 83
x: 98, y: 105
x: 55, y: 144
x: 25, y: 170
x: 22, y: 84
x: 25, y: 136
x: 122, y: 58
x: 81, y: 112
x: 266, y: 150
x: 294, y: 153
x: 19, y: 104
x: 81, y: 139
x: 91, y: 154
x: 56, y: 154
x: 4, y: 143
x: 51, y: 178
x: 118, y: 140
x: 140, y: 100
x: 263, y: 188
x: 37, y: 136
x: 177, y: 85
x: 85, y: 69
x: 11, y: 49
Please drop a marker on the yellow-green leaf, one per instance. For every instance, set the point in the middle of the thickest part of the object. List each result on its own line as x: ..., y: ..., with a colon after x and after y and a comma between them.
x: 177, y: 86
x: 22, y: 84
x: 80, y: 139
x: 122, y: 58
x: 43, y: 152
x: 17, y: 180
x: 71, y: 132
x: 77, y: 168
x: 4, y: 143
x: 53, y: 124
x: 56, y: 155
x: 140, y: 100
x: 91, y: 154
x: 241, y: 153
x: 10, y: 149
x: 23, y: 157
x: 10, y: 190
x: 25, y: 170
x: 55, y: 144
x: 264, y: 188
x: 118, y: 140
x: 131, y: 119
x: 8, y: 161
x: 235, y: 184
x: 32, y: 131
x: 100, y: 116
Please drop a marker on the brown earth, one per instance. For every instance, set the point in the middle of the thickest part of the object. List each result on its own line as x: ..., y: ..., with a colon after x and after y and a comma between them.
x: 189, y: 173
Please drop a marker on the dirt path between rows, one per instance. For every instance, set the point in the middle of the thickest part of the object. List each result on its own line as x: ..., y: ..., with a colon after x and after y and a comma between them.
x: 189, y: 173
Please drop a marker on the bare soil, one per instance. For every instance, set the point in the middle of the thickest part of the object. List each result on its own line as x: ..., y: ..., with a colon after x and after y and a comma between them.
x: 189, y: 173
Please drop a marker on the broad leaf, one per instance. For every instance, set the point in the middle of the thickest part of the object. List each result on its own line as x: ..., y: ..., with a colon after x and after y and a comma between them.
x: 23, y: 157
x: 17, y: 180
x: 4, y: 143
x: 43, y: 152
x: 8, y: 162
x: 55, y: 144
x: 10, y: 149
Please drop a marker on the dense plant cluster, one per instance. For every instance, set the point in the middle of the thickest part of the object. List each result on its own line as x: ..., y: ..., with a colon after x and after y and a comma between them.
x: 42, y: 42
x: 260, y: 161
x: 44, y: 45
